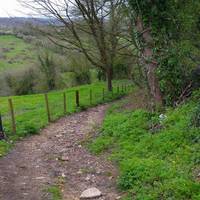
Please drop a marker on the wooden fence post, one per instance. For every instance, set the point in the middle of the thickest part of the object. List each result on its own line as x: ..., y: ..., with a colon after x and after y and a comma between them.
x: 90, y: 97
x: 47, y: 107
x: 64, y: 103
x: 2, y: 134
x: 103, y: 94
x: 122, y: 88
x: 12, y: 115
x: 77, y: 99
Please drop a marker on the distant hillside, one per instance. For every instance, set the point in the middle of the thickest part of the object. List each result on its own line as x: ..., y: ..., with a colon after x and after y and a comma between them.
x: 15, y: 53
x: 20, y: 21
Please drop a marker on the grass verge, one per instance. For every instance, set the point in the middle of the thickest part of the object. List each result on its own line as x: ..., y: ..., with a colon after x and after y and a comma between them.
x: 157, y: 158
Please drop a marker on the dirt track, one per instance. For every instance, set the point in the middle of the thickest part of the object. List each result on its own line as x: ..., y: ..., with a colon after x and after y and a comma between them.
x: 56, y: 156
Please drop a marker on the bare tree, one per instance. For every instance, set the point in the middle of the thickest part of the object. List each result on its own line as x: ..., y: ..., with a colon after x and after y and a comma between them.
x: 91, y: 27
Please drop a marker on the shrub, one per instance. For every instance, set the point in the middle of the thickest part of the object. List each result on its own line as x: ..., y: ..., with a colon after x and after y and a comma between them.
x: 21, y: 82
x: 80, y: 67
x: 25, y: 83
x: 48, y: 68
x: 195, y: 120
x: 82, y: 77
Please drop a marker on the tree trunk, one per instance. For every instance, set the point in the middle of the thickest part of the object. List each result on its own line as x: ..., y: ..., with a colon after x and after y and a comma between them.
x: 109, y: 79
x: 154, y: 84
x: 149, y: 61
x: 151, y: 66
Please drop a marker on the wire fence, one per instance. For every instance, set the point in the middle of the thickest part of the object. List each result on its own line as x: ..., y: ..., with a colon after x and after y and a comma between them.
x: 28, y: 114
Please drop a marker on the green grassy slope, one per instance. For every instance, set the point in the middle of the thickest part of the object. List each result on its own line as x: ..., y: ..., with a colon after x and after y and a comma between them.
x: 30, y: 110
x: 15, y: 53
x: 158, y: 159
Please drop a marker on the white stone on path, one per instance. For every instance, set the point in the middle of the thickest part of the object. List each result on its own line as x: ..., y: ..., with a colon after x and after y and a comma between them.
x: 65, y: 158
x: 90, y: 193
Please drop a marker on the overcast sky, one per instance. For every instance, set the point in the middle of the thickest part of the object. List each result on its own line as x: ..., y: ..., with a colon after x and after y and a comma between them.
x: 10, y: 8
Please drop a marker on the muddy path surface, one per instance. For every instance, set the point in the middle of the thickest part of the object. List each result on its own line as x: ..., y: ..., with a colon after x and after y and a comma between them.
x: 57, y: 156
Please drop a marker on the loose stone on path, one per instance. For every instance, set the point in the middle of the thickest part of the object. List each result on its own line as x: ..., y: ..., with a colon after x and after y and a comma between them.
x: 91, y: 193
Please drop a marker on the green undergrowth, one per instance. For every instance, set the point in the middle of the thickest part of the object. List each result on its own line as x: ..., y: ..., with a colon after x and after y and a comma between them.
x: 30, y: 110
x: 157, y: 158
x: 55, y: 192
x: 4, y: 147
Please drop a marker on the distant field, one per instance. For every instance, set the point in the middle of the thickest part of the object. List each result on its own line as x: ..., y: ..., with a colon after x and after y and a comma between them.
x: 30, y: 110
x: 15, y: 53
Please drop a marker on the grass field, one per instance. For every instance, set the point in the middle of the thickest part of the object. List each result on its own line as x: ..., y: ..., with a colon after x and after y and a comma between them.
x: 157, y: 158
x: 30, y: 110
x: 15, y: 53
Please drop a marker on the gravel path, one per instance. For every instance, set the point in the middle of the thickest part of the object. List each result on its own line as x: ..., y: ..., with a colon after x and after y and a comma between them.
x: 57, y: 157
